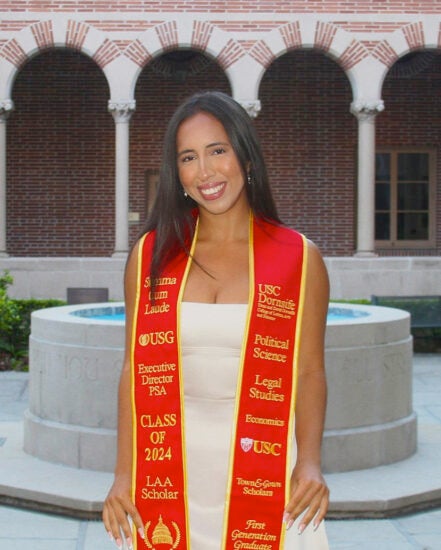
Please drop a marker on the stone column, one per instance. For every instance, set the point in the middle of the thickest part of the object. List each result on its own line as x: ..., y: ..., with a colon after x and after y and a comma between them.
x: 122, y: 112
x: 6, y: 106
x: 366, y: 113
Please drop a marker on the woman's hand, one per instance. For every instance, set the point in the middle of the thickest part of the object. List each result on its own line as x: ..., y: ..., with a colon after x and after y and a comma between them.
x: 118, y: 507
x: 309, y: 494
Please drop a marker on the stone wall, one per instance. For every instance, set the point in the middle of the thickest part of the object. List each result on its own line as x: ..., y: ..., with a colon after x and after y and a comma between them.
x: 351, y: 278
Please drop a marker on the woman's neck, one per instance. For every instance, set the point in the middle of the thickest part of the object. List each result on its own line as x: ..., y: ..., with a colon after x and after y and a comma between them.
x: 223, y: 228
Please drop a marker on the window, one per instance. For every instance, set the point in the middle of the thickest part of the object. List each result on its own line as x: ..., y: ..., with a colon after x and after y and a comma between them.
x: 405, y: 198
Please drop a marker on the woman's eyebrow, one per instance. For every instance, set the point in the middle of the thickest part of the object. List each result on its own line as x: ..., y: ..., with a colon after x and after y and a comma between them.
x: 208, y: 146
x: 184, y: 151
x: 214, y: 144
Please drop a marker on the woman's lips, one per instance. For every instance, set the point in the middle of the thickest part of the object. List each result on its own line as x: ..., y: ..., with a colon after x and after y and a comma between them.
x: 211, y: 192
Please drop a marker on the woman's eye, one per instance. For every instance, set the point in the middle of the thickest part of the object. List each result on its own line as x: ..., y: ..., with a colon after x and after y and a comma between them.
x: 218, y: 151
x: 187, y: 158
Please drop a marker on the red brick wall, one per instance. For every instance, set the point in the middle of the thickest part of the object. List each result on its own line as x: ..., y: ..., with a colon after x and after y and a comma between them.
x: 60, y: 159
x: 249, y: 6
x: 310, y: 138
x: 310, y: 150
x: 61, y: 147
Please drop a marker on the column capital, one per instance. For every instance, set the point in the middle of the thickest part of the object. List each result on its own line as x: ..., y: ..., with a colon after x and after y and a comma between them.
x: 251, y: 106
x: 6, y: 107
x: 122, y: 110
x: 365, y: 109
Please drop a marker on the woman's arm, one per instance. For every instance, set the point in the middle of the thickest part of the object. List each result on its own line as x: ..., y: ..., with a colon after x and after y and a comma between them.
x: 118, y: 504
x: 308, y: 488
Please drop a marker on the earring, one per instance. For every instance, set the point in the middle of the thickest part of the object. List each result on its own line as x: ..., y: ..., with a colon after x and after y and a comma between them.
x: 249, y: 178
x: 185, y: 194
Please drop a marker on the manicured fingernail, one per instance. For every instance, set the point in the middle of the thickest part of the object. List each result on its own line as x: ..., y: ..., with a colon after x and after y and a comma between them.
x: 289, y: 524
x: 301, y: 528
x: 129, y: 543
x: 285, y: 517
x: 118, y: 542
x: 315, y: 526
x: 141, y: 532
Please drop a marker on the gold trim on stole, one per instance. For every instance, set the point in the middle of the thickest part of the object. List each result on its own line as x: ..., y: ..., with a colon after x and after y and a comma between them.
x: 181, y: 374
x: 295, y: 377
x: 132, y: 376
x: 251, y: 292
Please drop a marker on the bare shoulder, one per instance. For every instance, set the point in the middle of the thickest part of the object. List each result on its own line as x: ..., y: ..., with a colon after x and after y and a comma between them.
x: 132, y: 260
x: 316, y: 301
x: 131, y: 272
x: 315, y: 257
x: 317, y: 274
x: 130, y: 293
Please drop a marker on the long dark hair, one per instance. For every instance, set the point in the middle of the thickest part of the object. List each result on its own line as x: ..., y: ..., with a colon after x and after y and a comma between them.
x: 172, y: 213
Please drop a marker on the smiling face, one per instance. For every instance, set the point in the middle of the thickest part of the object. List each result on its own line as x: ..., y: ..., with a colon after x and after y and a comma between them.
x: 208, y: 167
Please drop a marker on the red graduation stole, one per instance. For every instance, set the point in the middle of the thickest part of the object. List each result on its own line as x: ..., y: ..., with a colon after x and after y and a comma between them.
x: 259, y: 470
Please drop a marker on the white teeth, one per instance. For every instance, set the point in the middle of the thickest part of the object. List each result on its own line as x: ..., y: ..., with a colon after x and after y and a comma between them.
x: 212, y: 190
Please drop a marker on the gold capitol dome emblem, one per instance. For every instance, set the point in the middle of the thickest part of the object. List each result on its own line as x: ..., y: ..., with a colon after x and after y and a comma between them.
x: 161, y: 535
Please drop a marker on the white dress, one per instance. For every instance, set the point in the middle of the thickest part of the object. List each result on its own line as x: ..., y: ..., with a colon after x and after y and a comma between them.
x: 211, y: 339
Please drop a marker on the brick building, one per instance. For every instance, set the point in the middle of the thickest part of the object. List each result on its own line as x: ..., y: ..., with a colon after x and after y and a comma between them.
x: 344, y: 94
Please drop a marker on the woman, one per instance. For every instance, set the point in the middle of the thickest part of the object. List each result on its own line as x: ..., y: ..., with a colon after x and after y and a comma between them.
x: 226, y: 313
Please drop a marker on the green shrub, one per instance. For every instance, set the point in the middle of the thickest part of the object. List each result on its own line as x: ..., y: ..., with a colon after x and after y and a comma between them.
x: 15, y: 325
x: 10, y: 319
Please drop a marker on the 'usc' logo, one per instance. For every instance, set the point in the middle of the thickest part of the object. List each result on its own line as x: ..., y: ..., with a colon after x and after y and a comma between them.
x: 260, y: 447
x: 270, y: 290
x: 156, y: 338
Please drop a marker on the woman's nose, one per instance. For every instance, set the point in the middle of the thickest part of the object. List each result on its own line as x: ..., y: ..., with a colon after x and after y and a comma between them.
x: 205, y: 169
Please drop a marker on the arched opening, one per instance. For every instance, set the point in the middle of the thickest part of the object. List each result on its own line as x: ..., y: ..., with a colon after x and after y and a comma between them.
x: 408, y: 212
x: 310, y: 142
x: 60, y: 197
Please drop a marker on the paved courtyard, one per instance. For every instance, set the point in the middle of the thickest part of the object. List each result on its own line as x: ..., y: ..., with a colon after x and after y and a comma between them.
x: 22, y: 529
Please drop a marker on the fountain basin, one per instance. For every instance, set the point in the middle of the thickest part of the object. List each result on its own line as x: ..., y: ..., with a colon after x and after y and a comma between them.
x: 76, y: 353
x: 369, y: 419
